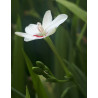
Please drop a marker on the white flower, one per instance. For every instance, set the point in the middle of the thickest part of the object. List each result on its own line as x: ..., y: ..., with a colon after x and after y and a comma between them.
x: 48, y: 27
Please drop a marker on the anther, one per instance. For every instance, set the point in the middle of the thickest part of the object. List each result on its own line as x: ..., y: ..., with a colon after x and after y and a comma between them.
x: 40, y: 28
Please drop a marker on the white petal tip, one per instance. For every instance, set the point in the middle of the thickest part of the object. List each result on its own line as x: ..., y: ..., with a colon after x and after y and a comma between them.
x: 64, y: 16
x: 17, y: 33
x: 21, y: 34
x: 48, y: 11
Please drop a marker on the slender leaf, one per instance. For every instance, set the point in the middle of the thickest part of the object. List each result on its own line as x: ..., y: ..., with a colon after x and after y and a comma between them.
x: 15, y: 9
x: 74, y: 9
x: 79, y: 77
x: 27, y: 93
x: 38, y: 86
x: 65, y: 92
x: 19, y: 93
x: 81, y: 34
x: 18, y: 68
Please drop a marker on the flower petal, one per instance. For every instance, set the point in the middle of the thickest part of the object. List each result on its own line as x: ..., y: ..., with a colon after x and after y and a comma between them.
x: 47, y: 19
x: 28, y: 37
x: 33, y: 38
x: 56, y: 22
x: 51, y: 31
x: 23, y: 34
x: 32, y: 29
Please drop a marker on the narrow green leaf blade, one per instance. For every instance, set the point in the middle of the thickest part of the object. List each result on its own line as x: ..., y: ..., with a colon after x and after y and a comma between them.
x: 18, y: 92
x: 38, y: 86
x: 27, y: 93
x: 74, y: 9
x: 65, y: 92
x: 78, y: 77
x: 18, y: 68
x: 81, y: 34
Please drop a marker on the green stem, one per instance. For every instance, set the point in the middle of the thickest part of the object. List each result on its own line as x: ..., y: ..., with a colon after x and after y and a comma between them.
x: 50, y: 43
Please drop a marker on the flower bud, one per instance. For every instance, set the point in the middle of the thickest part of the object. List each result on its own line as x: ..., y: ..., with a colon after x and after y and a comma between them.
x: 37, y: 70
x: 40, y: 64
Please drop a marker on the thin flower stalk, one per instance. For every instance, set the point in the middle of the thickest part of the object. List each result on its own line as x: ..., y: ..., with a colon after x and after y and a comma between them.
x: 50, y: 43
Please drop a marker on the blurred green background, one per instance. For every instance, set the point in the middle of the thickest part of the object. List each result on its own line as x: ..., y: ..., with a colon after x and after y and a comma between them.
x: 70, y: 40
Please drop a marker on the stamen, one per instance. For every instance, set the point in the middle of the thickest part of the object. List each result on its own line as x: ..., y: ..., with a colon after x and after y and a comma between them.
x: 40, y: 28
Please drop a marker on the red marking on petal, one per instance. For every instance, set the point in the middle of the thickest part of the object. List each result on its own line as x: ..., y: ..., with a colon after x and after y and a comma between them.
x: 37, y: 36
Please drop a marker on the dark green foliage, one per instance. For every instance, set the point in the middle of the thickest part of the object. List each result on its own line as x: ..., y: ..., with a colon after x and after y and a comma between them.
x: 38, y: 86
x: 74, y: 9
x: 78, y: 77
x: 18, y: 67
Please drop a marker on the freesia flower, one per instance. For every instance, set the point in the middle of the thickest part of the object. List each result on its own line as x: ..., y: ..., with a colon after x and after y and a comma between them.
x: 47, y: 28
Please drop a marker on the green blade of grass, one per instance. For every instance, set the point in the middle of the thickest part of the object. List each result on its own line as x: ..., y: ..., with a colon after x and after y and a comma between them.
x: 27, y: 93
x: 38, y: 86
x: 79, y: 77
x: 74, y: 9
x: 19, y: 93
x: 81, y: 34
x: 15, y: 9
x: 65, y: 92
x: 18, y: 68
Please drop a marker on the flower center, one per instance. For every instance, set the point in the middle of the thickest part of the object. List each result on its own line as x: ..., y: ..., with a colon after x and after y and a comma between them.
x: 41, y: 29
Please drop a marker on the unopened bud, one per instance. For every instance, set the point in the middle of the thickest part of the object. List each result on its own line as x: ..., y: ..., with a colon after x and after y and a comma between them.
x: 37, y: 70
x: 40, y: 64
